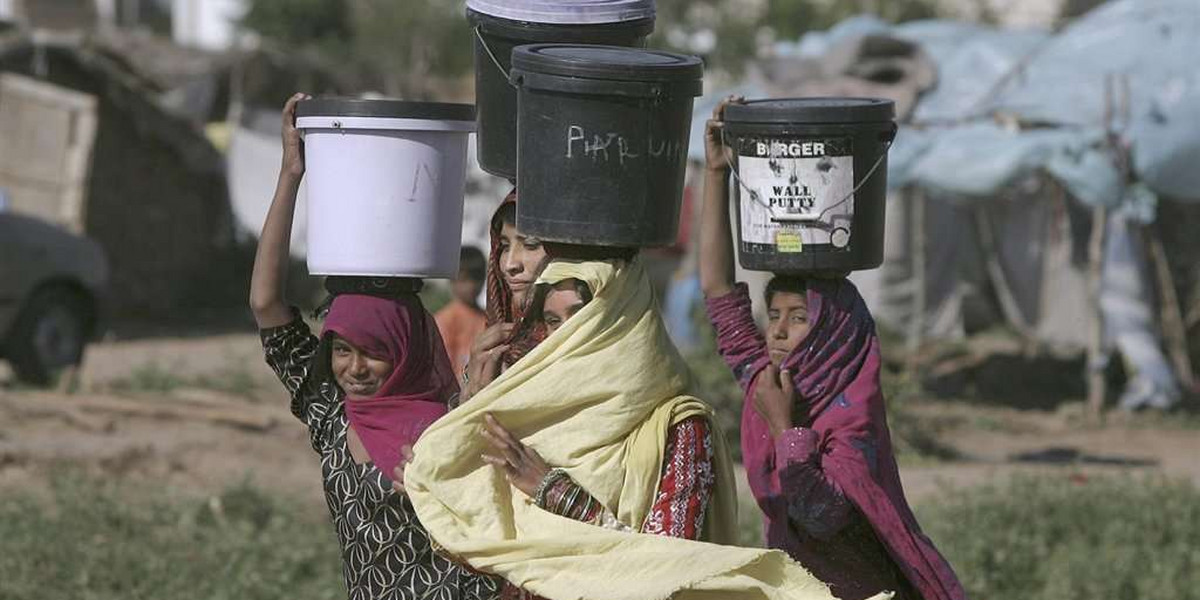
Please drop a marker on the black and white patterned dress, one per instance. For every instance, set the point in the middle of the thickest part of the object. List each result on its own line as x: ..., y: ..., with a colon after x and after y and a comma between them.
x: 386, y: 553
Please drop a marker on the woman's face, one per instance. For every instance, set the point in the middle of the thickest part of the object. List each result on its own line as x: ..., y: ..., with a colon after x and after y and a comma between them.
x: 520, y: 257
x: 359, y: 373
x: 562, y: 302
x: 787, y: 324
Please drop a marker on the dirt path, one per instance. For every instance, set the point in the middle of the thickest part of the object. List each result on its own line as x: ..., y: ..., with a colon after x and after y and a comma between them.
x: 43, y: 434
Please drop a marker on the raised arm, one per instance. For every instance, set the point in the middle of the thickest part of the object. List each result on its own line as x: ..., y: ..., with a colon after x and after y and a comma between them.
x: 269, y: 279
x: 716, y: 236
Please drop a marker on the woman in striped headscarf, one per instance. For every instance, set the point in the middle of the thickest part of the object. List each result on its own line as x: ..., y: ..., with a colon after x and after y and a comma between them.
x: 514, y: 262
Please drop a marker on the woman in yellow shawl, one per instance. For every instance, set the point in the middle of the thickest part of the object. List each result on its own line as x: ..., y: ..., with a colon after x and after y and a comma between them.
x: 687, y: 474
x: 597, y: 399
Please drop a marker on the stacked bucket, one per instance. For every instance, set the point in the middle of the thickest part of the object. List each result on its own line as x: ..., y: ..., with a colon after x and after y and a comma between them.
x: 593, y: 129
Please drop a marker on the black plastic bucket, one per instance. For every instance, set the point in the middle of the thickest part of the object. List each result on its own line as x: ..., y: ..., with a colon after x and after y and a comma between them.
x: 496, y: 99
x: 602, y: 142
x: 810, y: 176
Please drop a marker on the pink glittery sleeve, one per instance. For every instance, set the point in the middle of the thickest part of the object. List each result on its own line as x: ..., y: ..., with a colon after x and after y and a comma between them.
x: 739, y: 340
x: 815, y: 502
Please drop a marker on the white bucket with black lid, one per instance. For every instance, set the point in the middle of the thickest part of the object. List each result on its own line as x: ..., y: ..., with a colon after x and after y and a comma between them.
x: 385, y: 185
x: 810, y: 179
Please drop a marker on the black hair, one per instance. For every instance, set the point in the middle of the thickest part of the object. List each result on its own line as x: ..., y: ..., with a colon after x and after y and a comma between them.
x: 506, y: 214
x: 321, y: 365
x: 785, y: 283
x: 473, y: 263
x: 383, y: 287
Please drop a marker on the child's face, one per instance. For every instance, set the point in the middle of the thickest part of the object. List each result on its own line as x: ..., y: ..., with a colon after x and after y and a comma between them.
x: 520, y: 257
x: 466, y: 288
x: 358, y: 373
x: 562, y: 302
x: 787, y: 324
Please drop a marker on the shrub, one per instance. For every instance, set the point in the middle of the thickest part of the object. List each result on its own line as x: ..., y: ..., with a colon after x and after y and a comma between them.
x: 100, y: 541
x: 1072, y: 538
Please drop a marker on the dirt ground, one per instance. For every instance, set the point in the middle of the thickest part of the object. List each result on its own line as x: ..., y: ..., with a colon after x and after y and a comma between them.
x: 201, y: 413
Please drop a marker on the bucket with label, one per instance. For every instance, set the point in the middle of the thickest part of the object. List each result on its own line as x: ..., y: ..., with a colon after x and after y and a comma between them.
x: 385, y: 185
x: 602, y: 142
x: 501, y: 25
x: 810, y: 179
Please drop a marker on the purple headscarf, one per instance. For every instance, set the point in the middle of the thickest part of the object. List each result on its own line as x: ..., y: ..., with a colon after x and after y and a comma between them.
x: 836, y: 374
x: 422, y: 380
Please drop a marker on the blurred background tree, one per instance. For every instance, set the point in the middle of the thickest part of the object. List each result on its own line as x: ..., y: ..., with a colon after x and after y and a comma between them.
x: 406, y: 48
x: 399, y: 49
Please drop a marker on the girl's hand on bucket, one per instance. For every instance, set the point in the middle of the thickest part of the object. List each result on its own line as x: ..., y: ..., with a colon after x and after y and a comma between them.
x: 293, y: 144
x: 716, y: 155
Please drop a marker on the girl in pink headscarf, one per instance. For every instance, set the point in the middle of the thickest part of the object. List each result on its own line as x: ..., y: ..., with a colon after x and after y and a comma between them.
x: 815, y: 439
x: 366, y: 388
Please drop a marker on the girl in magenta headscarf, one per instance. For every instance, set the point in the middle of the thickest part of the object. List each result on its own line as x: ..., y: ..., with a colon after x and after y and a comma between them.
x: 815, y: 439
x: 377, y: 376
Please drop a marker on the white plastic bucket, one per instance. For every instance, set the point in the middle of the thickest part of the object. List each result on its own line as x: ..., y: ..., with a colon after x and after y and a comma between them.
x: 565, y: 12
x: 385, y: 185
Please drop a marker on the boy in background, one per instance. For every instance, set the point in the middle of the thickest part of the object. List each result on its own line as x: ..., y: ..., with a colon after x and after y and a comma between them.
x: 462, y: 319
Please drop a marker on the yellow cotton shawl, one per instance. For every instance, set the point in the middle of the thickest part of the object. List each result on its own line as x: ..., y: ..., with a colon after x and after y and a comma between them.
x: 595, y: 398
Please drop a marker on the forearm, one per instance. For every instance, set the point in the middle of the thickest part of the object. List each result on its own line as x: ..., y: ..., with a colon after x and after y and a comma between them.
x: 269, y: 279
x: 816, y: 504
x: 716, y: 235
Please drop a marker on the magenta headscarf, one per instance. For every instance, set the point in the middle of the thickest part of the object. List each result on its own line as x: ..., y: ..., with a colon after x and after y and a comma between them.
x: 836, y: 374
x: 421, y: 383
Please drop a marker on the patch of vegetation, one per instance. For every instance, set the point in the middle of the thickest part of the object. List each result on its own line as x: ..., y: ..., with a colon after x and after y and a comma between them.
x: 1072, y: 538
x: 750, y: 523
x: 435, y: 296
x: 234, y: 378
x: 148, y: 377
x: 98, y: 540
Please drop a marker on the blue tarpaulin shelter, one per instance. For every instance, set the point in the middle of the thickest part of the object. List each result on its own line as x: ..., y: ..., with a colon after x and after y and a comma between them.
x: 1107, y: 108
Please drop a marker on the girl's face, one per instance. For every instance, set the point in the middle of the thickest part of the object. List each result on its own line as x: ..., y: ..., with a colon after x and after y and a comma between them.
x: 359, y: 373
x: 787, y: 324
x: 520, y: 257
x: 562, y: 302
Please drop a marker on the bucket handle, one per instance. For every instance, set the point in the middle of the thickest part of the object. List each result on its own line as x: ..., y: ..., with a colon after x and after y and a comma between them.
x: 492, y: 55
x: 890, y: 137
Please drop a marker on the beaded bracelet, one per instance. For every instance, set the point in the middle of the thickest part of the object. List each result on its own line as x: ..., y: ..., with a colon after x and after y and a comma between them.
x: 539, y: 496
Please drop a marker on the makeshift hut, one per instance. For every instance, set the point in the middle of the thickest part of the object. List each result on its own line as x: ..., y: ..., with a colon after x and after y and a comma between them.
x: 153, y: 191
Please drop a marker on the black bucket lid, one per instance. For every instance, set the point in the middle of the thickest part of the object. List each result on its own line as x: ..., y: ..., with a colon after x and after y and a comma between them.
x: 812, y: 110
x: 607, y: 62
x: 389, y: 109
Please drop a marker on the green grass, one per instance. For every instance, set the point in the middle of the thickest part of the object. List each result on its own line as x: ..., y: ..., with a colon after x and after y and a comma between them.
x: 234, y: 378
x: 1033, y: 538
x: 148, y: 377
x: 92, y: 540
x: 1072, y: 538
